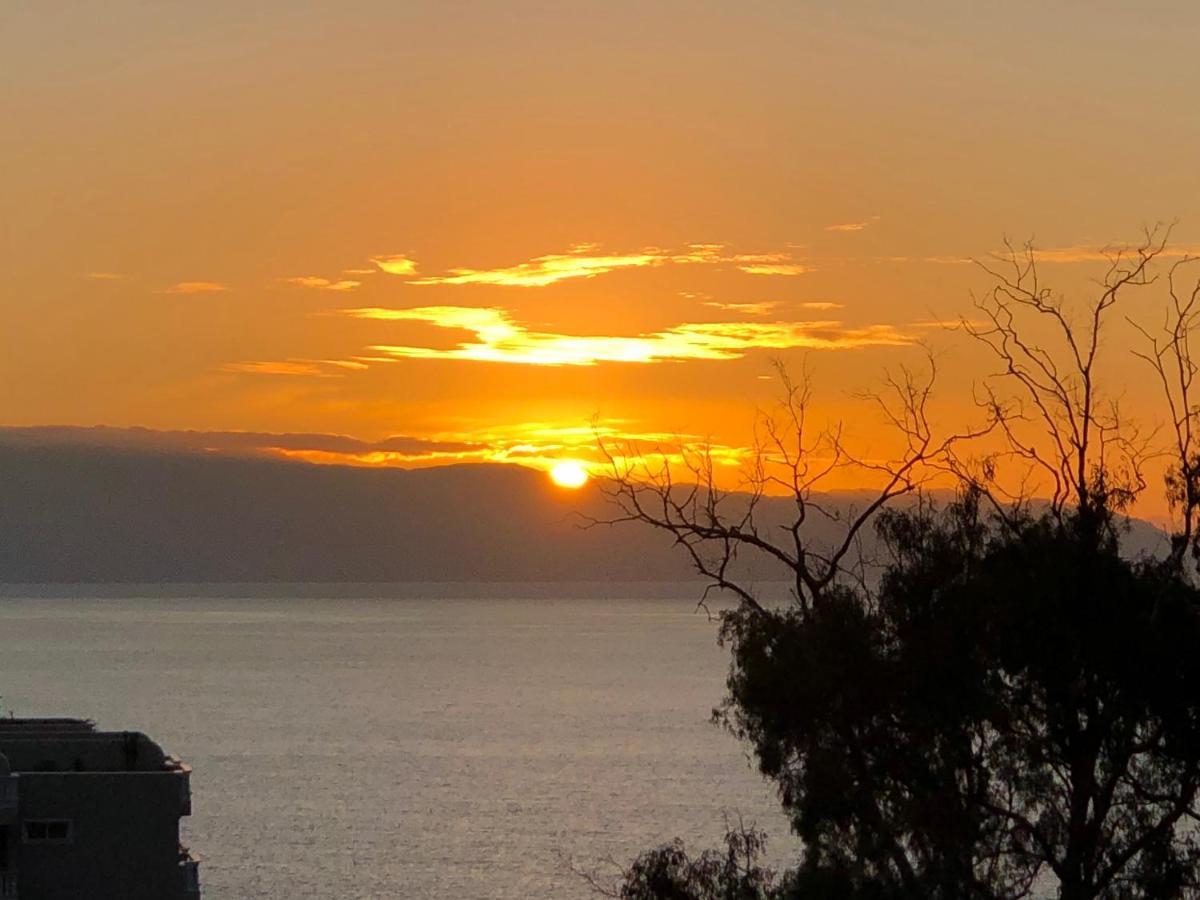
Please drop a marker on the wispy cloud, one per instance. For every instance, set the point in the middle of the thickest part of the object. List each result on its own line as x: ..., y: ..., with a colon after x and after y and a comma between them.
x: 278, y: 367
x: 323, y: 284
x: 197, y: 287
x: 106, y: 276
x: 586, y: 261
x: 774, y: 269
x: 1071, y: 254
x: 544, y: 270
x: 532, y: 444
x: 1105, y: 254
x: 499, y: 338
x: 750, y: 309
x: 317, y: 447
x: 299, y: 366
x: 396, y: 264
x: 821, y: 305
x: 853, y: 226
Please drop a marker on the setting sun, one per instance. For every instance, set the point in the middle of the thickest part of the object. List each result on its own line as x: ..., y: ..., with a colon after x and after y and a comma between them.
x: 569, y: 474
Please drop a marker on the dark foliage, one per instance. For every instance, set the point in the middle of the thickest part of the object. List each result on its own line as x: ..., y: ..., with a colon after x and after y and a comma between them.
x: 1005, y: 703
x: 1014, y: 701
x: 669, y: 873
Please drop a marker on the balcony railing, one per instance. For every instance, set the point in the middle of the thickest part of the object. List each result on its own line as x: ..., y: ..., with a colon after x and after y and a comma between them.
x: 8, y: 885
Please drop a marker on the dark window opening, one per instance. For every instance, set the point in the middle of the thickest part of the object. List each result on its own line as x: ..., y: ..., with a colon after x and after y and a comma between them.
x: 47, y: 831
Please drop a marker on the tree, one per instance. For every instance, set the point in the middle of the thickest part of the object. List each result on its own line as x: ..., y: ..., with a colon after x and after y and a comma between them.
x: 1003, y: 696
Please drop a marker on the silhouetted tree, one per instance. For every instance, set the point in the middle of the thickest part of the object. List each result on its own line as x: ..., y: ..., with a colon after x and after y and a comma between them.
x: 1002, y: 696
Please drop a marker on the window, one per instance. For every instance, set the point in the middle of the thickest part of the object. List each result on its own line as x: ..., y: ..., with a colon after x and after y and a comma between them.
x: 47, y: 831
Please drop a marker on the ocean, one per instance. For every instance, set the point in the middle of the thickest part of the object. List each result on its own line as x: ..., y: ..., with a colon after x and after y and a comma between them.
x: 445, y: 747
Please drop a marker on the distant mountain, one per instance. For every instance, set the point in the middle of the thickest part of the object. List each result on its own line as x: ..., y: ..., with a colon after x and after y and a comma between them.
x: 72, y: 513
x: 92, y: 514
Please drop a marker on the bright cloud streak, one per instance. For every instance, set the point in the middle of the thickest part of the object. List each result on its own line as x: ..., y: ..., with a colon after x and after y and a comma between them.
x: 395, y: 265
x: 584, y: 262
x: 323, y: 284
x: 544, y: 270
x: 774, y: 269
x: 751, y: 309
x: 499, y: 339
x: 197, y: 287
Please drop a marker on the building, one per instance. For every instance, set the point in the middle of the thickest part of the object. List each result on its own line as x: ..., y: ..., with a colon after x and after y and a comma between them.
x: 91, y: 815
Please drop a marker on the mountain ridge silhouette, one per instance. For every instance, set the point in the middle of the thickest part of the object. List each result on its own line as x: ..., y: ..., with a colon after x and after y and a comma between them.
x: 74, y: 513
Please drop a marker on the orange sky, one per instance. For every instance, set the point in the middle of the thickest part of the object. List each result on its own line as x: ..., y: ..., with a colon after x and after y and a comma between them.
x: 488, y: 224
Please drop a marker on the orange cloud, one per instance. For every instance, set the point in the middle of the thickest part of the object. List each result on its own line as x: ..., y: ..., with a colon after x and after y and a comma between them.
x: 853, y: 226
x: 774, y: 269
x: 283, y: 367
x: 500, y: 339
x: 106, y: 276
x: 544, y: 270
x: 1075, y: 254
x: 323, y: 284
x: 821, y: 304
x: 397, y: 264
x: 197, y: 287
x: 765, y: 263
x: 1104, y: 254
x: 752, y: 309
x: 582, y: 261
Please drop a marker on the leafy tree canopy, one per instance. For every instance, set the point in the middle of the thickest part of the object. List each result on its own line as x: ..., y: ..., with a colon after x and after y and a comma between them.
x: 1004, y: 704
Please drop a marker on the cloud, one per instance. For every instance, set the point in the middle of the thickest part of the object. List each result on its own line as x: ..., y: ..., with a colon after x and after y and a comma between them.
x: 106, y: 276
x: 281, y: 367
x: 1081, y: 254
x: 750, y: 309
x: 821, y: 305
x: 498, y: 338
x: 323, y: 284
x: 853, y: 226
x: 532, y: 443
x: 584, y: 261
x: 774, y: 269
x: 320, y: 368
x: 197, y: 287
x: 544, y: 270
x: 765, y: 263
x: 241, y: 443
x: 1071, y: 254
x: 397, y: 264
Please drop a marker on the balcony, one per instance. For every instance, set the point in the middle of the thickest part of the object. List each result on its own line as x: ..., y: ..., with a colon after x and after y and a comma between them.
x: 8, y: 801
x: 189, y: 870
x: 8, y: 885
x: 174, y: 764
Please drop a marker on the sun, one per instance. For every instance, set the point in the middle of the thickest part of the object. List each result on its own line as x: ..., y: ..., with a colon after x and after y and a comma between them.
x: 569, y: 474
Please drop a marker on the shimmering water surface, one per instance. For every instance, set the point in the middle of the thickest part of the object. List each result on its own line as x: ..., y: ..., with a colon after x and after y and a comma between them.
x: 432, y: 748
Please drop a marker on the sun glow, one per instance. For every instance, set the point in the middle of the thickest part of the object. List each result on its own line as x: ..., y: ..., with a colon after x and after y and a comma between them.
x: 569, y: 474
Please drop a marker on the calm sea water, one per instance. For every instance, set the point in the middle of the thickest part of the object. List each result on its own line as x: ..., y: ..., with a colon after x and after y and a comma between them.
x: 432, y: 748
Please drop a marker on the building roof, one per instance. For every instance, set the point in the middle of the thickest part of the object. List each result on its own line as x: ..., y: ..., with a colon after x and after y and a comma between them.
x: 75, y: 745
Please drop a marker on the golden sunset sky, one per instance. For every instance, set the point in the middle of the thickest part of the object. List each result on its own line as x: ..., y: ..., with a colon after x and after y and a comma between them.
x: 412, y: 232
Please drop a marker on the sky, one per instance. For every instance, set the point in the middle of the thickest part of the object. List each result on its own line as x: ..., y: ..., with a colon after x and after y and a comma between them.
x: 412, y: 233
